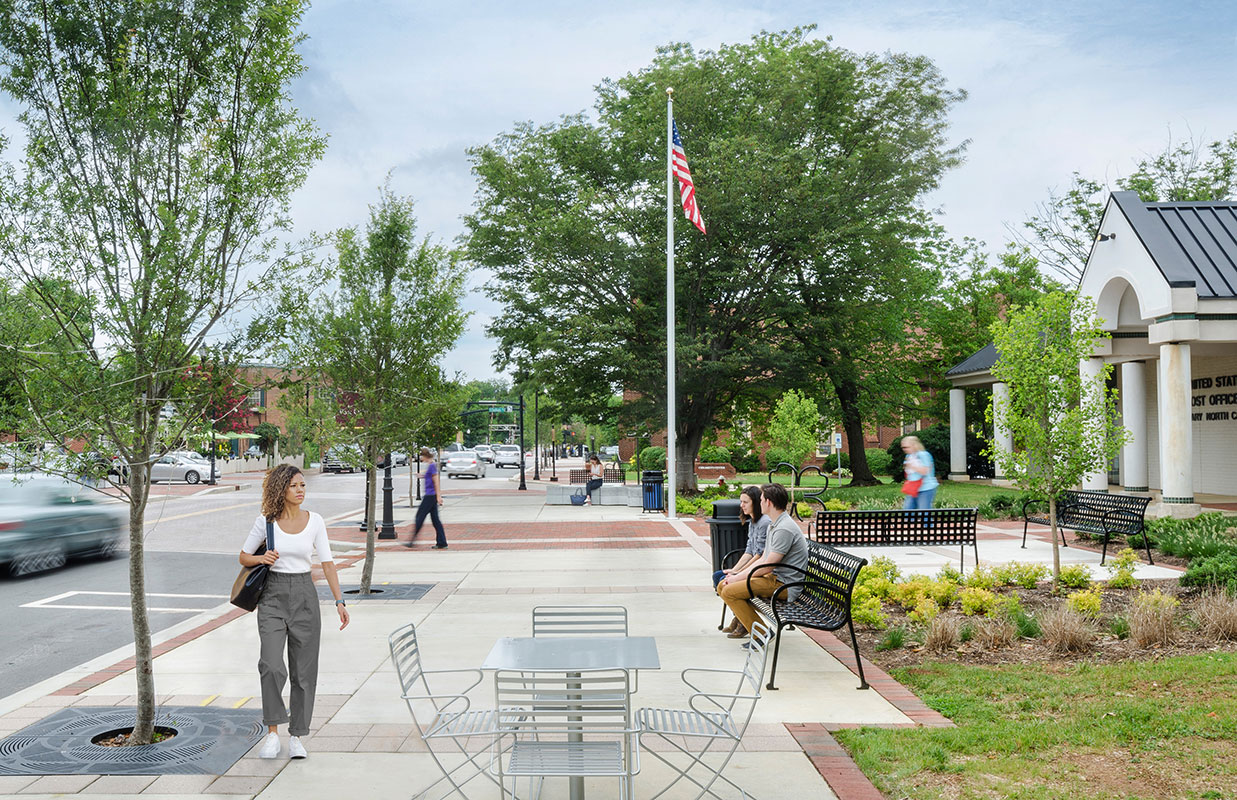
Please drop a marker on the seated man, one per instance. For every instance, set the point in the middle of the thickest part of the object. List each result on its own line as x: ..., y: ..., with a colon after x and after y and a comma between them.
x: 786, y: 545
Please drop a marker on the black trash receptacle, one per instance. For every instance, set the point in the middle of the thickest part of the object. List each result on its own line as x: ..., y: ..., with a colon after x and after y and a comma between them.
x: 652, y: 490
x: 726, y: 531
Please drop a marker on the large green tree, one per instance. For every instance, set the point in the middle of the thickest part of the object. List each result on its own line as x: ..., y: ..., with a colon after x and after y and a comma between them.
x: 807, y: 159
x: 1063, y: 227
x: 381, y: 336
x: 161, y: 152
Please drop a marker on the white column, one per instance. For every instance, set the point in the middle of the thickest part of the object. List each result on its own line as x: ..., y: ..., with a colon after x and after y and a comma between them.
x: 1134, y: 418
x: 1089, y: 370
x: 1001, y: 433
x: 957, y: 435
x: 1176, y: 437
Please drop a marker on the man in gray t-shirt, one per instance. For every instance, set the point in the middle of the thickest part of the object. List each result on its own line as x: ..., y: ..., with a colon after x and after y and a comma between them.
x: 785, y: 546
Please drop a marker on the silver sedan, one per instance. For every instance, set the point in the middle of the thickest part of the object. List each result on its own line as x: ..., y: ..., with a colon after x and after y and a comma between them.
x: 465, y: 462
x: 45, y: 521
x: 180, y: 468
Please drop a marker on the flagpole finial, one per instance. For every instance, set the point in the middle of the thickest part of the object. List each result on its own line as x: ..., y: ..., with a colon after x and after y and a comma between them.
x: 670, y: 92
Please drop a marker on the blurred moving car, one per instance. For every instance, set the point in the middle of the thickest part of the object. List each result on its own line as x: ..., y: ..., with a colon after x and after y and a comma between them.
x: 454, y: 447
x: 465, y: 462
x: 506, y: 455
x: 180, y: 468
x: 484, y: 451
x: 45, y: 521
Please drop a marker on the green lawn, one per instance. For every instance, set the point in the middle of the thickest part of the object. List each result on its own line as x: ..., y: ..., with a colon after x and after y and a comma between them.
x: 1147, y: 729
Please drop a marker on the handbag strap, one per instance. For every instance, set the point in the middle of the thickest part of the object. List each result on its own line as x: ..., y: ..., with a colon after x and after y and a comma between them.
x: 270, y: 535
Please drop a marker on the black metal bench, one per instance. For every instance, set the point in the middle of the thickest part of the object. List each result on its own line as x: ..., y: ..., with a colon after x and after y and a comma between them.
x: 929, y: 527
x: 1097, y: 512
x: 608, y: 475
x: 823, y: 603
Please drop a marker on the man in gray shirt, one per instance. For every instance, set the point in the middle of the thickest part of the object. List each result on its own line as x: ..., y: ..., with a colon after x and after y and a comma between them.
x: 786, y: 547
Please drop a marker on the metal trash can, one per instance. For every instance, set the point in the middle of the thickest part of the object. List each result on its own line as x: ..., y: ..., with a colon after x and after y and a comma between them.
x: 726, y: 531
x: 652, y: 490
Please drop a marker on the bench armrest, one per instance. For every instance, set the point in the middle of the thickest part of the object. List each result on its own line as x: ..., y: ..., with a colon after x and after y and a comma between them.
x: 1026, y: 504
x: 737, y: 554
x: 750, y: 575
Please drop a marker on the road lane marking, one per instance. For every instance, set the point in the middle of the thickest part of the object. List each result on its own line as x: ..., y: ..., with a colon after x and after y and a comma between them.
x: 54, y: 602
x: 250, y: 504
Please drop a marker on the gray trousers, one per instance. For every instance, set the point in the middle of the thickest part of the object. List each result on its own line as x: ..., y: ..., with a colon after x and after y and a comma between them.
x: 289, y: 614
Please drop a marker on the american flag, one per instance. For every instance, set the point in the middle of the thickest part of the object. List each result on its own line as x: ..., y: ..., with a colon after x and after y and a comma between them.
x: 687, y: 189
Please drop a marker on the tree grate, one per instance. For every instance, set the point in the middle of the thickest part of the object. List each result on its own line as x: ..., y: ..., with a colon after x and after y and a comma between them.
x: 390, y: 591
x: 208, y: 741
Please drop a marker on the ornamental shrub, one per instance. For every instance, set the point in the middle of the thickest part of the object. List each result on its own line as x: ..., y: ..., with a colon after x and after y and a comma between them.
x: 950, y: 573
x: 866, y: 608
x: 653, y: 458
x: 1075, y: 576
x: 943, y: 592
x: 924, y: 611
x: 747, y: 462
x: 882, y: 567
x: 1151, y: 618
x: 1025, y: 576
x: 878, y: 460
x: 911, y: 592
x: 1122, y: 570
x: 834, y: 504
x: 715, y: 454
x: 982, y: 578
x: 976, y: 600
x: 775, y: 456
x: 1203, y: 536
x: 1214, y: 572
x: 1085, y: 601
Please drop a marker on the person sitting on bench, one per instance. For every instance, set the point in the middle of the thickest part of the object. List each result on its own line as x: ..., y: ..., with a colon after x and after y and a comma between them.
x: 757, y: 535
x: 786, y: 545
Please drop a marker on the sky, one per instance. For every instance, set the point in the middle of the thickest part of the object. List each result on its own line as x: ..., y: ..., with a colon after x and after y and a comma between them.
x: 404, y: 87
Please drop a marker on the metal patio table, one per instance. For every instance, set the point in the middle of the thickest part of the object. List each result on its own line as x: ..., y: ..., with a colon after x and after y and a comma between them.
x: 573, y: 655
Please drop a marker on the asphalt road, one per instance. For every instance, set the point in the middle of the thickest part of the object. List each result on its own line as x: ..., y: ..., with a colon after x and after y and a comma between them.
x: 191, y: 545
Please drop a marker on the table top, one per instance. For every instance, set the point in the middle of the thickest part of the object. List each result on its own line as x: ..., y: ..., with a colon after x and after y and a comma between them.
x: 569, y: 654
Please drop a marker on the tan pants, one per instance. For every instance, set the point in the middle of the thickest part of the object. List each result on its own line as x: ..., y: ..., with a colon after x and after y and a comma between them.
x: 735, y: 596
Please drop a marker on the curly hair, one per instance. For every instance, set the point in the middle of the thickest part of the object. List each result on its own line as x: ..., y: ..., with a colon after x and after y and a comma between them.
x: 275, y: 490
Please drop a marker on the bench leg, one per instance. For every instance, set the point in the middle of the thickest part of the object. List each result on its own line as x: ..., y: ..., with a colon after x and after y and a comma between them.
x: 1147, y: 545
x: 1024, y: 534
x: 776, y: 646
x: 1104, y: 549
x: 854, y: 643
x: 962, y: 559
x: 723, y: 622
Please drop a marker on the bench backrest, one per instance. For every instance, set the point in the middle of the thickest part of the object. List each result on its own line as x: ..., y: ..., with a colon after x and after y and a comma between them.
x: 1087, y: 509
x: 836, y: 571
x: 896, y: 528
x: 608, y: 475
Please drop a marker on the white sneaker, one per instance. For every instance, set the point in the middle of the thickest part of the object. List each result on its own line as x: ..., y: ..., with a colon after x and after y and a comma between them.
x: 296, y: 749
x: 270, y: 746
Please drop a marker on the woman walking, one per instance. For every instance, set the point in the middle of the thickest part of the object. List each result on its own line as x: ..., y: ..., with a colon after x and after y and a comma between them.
x: 288, y: 612
x: 595, y: 473
x: 431, y: 498
x: 919, y: 467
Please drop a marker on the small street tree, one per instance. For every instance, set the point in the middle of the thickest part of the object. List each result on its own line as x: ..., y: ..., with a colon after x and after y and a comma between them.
x: 380, y: 339
x: 794, y: 427
x: 1064, y: 427
x: 161, y: 154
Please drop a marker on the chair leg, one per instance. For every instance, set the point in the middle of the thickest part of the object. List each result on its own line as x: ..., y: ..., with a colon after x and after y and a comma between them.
x: 854, y: 643
x: 776, y: 646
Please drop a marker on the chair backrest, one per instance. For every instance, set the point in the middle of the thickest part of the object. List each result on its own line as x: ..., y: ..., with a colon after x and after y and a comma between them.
x: 406, y: 656
x: 757, y: 657
x: 579, y: 621
x: 556, y: 703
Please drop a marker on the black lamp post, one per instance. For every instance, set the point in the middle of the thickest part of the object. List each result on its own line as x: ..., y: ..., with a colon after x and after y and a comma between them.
x: 536, y: 437
x: 387, y: 531
x: 523, y: 485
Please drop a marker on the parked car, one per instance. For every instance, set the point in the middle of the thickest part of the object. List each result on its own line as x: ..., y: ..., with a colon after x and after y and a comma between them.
x: 253, y: 452
x: 465, y: 462
x: 45, y: 521
x: 484, y: 451
x: 178, y: 468
x: 341, y: 459
x: 506, y: 455
x: 399, y: 459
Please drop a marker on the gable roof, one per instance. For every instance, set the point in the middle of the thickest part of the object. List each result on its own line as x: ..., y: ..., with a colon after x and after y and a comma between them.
x: 1190, y: 243
x: 981, y: 361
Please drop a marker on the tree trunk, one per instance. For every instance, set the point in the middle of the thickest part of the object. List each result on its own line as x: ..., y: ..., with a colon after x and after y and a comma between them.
x: 143, y: 658
x: 847, y: 392
x: 371, y: 528
x: 687, y: 446
x: 1056, y: 546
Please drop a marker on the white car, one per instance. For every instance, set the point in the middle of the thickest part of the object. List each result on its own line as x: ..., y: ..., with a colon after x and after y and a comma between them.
x: 176, y: 468
x: 506, y: 455
x: 484, y: 451
x: 465, y: 462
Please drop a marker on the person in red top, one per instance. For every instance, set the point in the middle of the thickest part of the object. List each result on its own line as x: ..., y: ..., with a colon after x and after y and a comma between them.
x: 431, y: 498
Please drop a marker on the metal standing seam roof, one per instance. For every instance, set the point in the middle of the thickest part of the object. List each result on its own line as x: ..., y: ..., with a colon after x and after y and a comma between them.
x: 981, y: 361
x: 1189, y: 242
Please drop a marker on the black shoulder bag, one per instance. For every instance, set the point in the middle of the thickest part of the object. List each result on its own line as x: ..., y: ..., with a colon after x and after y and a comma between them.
x: 248, y: 586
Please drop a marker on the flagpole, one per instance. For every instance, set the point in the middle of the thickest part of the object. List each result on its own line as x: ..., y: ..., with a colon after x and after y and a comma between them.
x: 670, y: 381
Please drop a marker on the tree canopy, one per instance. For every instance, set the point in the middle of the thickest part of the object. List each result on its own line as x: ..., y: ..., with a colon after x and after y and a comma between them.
x: 809, y: 162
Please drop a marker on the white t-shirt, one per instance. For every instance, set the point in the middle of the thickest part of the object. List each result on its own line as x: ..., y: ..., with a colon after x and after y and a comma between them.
x: 295, y: 549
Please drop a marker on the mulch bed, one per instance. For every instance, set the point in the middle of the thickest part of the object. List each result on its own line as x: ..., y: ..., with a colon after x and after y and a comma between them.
x: 1107, y: 648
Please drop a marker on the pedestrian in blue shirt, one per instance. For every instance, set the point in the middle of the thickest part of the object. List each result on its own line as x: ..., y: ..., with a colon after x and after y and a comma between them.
x: 431, y: 498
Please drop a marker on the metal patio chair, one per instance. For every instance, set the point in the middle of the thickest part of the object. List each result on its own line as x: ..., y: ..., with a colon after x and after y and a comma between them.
x: 573, y: 725
x: 714, y: 721
x: 579, y: 621
x: 452, y: 719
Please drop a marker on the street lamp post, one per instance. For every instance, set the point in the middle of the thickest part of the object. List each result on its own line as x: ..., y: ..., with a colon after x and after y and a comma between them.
x: 523, y: 486
x: 388, y: 512
x: 536, y: 437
